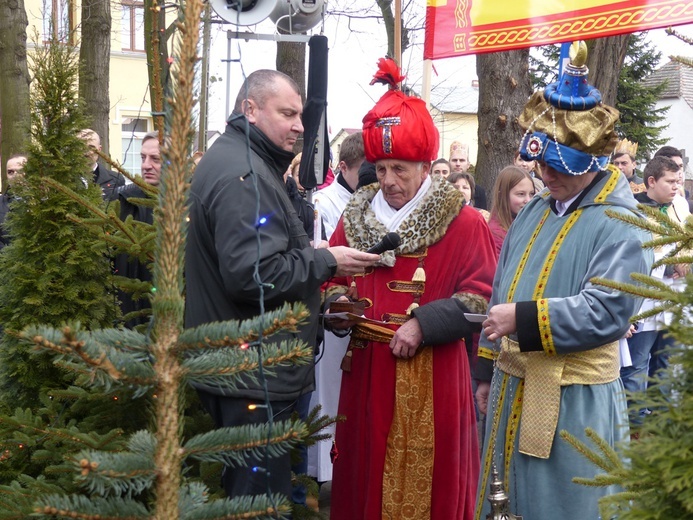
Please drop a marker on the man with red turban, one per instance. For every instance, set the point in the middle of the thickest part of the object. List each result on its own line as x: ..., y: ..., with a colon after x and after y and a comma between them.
x: 408, y: 448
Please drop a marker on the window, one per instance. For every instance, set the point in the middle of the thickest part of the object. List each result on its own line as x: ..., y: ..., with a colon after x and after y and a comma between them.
x: 58, y: 20
x: 132, y: 27
x: 133, y: 130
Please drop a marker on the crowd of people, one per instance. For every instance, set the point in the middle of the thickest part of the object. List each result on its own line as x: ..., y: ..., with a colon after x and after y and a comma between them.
x: 484, y: 308
x: 483, y: 313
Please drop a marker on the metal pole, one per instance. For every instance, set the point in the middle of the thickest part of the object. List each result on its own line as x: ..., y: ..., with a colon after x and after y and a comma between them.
x: 426, y: 83
x: 204, y: 79
x: 228, y: 74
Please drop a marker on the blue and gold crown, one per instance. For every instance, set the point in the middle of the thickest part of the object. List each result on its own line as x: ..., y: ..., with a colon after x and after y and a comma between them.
x: 567, y: 125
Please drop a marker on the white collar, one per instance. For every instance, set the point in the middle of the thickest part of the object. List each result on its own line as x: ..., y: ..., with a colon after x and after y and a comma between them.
x: 562, y: 207
x: 390, y: 217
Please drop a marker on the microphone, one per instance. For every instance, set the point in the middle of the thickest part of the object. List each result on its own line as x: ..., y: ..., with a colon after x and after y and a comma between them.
x: 389, y: 242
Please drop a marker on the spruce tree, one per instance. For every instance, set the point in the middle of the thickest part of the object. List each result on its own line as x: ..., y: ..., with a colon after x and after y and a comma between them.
x: 143, y: 476
x: 655, y: 470
x: 53, y: 270
x: 640, y: 121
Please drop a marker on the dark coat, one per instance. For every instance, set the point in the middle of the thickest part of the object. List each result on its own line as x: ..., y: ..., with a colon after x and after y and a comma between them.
x: 108, y: 180
x: 5, y: 200
x: 123, y: 265
x: 222, y: 249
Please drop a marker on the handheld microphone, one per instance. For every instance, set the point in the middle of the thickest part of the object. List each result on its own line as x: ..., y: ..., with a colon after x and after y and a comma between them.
x: 389, y: 242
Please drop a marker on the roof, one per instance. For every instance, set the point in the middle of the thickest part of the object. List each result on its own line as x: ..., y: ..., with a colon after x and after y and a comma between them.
x: 457, y: 99
x: 347, y: 131
x: 679, y: 78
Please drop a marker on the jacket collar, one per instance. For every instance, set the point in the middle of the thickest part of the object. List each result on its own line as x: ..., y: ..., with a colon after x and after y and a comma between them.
x: 276, y: 158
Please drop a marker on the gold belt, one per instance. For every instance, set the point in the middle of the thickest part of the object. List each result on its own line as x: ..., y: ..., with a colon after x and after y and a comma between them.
x: 371, y: 332
x: 361, y: 335
x: 544, y: 375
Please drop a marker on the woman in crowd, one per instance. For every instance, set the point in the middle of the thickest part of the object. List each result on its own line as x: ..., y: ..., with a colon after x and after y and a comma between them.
x: 465, y: 183
x: 513, y: 189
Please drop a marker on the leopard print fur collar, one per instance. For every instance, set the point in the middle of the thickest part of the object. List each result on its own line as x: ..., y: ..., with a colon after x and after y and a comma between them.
x: 425, y: 226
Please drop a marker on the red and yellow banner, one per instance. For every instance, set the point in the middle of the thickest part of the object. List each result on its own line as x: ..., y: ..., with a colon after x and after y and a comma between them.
x: 460, y: 27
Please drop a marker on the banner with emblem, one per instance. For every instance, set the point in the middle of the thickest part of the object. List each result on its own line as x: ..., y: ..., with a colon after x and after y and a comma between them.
x: 461, y: 27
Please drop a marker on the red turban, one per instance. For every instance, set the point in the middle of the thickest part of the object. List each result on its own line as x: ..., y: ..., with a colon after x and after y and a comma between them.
x: 398, y: 126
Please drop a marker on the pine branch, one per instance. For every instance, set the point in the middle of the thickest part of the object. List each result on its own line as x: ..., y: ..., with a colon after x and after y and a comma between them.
x: 235, y: 333
x: 17, y: 498
x: 28, y: 426
x: 658, y: 309
x: 225, y: 368
x: 101, y: 215
x: 83, y: 508
x: 129, y: 236
x: 584, y: 450
x: 116, y: 474
x: 686, y: 39
x: 80, y: 353
x: 661, y: 291
x: 315, y: 422
x: 658, y: 224
x: 607, y: 451
x: 245, y: 507
x: 235, y: 446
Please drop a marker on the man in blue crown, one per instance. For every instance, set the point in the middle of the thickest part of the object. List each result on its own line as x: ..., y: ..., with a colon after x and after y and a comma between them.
x: 551, y: 337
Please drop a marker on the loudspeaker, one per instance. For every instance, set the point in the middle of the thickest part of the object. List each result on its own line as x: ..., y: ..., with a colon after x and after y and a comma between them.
x: 243, y: 12
x: 297, y: 16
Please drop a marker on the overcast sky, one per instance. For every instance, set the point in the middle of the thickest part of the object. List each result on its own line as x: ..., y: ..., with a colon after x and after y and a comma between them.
x: 352, y: 62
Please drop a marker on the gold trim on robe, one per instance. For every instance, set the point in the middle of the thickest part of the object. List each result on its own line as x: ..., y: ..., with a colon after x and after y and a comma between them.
x: 544, y: 375
x: 408, y: 474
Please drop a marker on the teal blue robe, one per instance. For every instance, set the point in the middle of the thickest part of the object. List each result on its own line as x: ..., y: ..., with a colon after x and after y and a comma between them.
x: 582, y: 316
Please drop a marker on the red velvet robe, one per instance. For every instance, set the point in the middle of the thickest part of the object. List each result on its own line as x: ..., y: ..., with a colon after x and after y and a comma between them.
x: 463, y: 261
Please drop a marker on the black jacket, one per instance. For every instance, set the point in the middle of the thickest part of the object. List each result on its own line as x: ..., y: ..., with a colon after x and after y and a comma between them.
x: 222, y: 248
x: 123, y: 265
x: 108, y: 180
x: 5, y: 200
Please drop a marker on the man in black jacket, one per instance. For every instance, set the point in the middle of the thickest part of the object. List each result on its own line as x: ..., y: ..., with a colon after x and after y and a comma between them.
x: 123, y: 264
x: 243, y: 166
x: 108, y: 180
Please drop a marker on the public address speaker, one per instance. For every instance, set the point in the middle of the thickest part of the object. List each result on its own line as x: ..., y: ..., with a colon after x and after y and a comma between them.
x: 295, y: 16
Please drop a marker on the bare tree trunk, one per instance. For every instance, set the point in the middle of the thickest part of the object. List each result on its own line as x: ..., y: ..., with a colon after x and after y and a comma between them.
x: 504, y: 86
x: 604, y: 61
x: 389, y: 21
x: 291, y: 60
x: 14, y: 81
x: 94, y: 72
x: 155, y: 37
